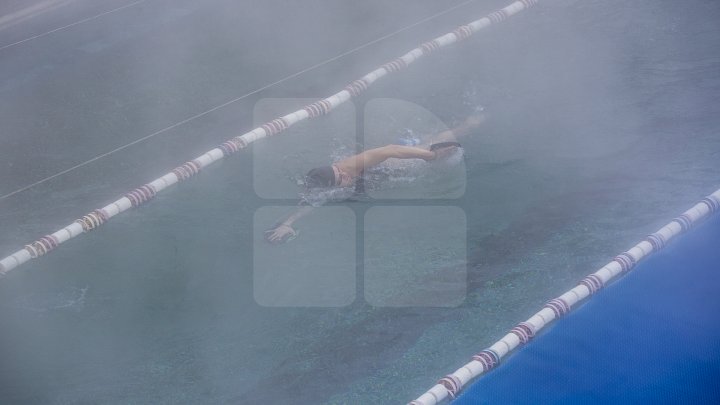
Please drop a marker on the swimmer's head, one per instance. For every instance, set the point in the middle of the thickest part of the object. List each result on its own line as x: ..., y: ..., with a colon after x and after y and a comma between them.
x: 320, y: 177
x: 323, y: 184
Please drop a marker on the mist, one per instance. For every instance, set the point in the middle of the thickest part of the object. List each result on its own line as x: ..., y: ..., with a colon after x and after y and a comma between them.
x: 600, y: 124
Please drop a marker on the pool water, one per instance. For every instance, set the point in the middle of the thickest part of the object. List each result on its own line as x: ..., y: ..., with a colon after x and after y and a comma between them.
x: 602, y: 125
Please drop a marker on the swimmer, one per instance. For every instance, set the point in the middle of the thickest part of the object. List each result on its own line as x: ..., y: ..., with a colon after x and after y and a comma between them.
x: 348, y: 172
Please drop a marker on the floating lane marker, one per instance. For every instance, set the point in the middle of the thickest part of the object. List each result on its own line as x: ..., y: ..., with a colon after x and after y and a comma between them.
x: 450, y: 385
x: 146, y: 192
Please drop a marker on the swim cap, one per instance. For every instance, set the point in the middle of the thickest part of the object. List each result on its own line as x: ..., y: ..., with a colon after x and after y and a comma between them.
x: 320, y: 177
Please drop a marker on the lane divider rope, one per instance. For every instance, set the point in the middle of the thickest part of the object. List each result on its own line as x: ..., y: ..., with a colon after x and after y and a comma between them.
x: 234, y: 100
x: 188, y: 169
x: 71, y: 25
x: 450, y: 385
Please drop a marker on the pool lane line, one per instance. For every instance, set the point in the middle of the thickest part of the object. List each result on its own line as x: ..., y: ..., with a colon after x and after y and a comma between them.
x: 522, y: 333
x: 144, y: 193
x: 227, y: 103
x: 71, y: 25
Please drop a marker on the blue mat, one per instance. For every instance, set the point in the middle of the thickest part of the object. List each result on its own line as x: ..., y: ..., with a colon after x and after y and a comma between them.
x: 653, y: 337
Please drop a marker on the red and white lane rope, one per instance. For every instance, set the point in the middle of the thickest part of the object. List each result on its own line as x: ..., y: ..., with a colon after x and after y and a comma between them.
x: 183, y: 172
x: 487, y: 359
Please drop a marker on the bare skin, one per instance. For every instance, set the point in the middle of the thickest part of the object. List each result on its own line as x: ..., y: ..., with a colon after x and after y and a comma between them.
x: 355, y: 165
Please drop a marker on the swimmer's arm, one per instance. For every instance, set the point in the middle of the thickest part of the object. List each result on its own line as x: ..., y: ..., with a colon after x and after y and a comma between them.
x: 284, y: 229
x: 372, y: 157
x: 468, y: 125
x: 299, y: 213
x: 461, y: 130
x: 406, y: 152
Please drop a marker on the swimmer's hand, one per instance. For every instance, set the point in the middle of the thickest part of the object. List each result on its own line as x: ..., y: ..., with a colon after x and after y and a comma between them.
x: 443, y: 149
x: 443, y: 153
x: 282, y: 233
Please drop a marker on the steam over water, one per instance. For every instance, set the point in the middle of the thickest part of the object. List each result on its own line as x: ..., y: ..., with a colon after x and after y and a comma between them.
x: 603, y: 121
